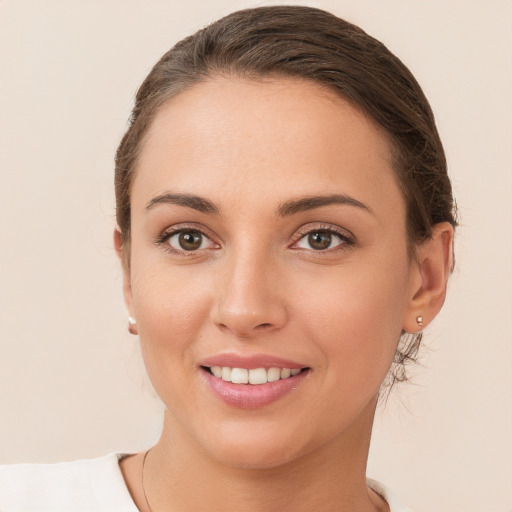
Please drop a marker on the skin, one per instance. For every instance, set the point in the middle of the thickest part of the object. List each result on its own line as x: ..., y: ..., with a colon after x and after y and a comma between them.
x: 257, y: 286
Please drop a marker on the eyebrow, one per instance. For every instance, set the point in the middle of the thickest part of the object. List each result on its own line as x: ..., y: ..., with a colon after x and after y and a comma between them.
x: 287, y: 208
x: 309, y: 203
x: 190, y: 201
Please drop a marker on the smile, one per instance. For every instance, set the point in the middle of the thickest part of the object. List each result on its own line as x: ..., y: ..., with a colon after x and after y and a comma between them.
x: 252, y: 388
x: 254, y: 376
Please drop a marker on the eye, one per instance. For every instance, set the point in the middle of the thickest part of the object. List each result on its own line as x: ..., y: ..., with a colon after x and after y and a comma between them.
x: 189, y: 240
x: 322, y: 240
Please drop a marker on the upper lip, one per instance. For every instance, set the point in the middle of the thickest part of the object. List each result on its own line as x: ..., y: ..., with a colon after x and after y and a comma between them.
x: 250, y: 362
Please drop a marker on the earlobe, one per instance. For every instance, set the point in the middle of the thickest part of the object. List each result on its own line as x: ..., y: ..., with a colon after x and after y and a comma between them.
x: 434, y: 264
x: 132, y: 326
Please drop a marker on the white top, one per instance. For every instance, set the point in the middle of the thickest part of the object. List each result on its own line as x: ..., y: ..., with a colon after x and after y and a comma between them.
x: 91, y: 485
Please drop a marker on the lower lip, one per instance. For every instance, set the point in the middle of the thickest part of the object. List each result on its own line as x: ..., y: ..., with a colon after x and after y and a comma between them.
x: 250, y: 396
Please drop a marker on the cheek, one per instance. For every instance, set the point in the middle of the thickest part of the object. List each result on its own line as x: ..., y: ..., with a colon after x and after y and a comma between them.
x: 171, y: 307
x: 356, y: 320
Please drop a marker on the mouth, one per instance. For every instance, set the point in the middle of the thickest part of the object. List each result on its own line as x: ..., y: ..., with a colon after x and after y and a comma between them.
x: 252, y: 376
x: 255, y: 387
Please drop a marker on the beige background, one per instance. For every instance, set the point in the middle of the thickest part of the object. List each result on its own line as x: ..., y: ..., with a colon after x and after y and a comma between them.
x: 71, y: 381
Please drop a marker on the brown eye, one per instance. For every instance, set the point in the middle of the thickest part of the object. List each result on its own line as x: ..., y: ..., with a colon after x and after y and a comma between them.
x: 189, y: 240
x: 320, y: 240
x: 323, y: 240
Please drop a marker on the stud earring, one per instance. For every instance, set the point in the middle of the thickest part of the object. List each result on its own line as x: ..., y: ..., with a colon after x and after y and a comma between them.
x: 419, y: 320
x: 132, y: 325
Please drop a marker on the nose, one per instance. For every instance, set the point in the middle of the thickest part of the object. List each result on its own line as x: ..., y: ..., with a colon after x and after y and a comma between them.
x: 249, y: 298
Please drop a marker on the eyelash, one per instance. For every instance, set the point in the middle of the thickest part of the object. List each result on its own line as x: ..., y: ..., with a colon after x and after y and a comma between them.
x: 347, y: 240
x: 162, y: 240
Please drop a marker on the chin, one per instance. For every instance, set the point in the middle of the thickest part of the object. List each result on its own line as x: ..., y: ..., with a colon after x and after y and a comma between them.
x: 254, y: 456
x: 260, y: 445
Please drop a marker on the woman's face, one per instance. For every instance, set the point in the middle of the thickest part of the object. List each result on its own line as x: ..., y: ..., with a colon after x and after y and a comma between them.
x: 268, y: 231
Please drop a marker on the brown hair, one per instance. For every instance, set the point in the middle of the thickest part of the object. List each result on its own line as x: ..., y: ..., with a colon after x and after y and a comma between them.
x: 312, y: 44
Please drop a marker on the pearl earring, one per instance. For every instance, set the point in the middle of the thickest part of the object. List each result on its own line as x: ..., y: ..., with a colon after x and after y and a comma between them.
x: 132, y: 325
x: 419, y: 320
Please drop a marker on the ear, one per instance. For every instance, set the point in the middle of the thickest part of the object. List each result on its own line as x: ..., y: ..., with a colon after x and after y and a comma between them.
x: 122, y: 253
x: 434, y: 261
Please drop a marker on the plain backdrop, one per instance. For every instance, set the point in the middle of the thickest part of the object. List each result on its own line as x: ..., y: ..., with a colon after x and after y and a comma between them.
x: 72, y: 384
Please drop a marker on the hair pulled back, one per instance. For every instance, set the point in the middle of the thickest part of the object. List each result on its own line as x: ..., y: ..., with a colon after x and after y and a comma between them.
x: 312, y: 44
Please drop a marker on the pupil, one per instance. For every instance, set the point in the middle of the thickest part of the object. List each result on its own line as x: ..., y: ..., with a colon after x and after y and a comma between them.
x: 190, y: 240
x: 319, y: 240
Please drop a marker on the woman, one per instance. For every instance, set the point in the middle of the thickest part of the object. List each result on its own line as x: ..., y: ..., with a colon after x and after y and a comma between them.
x: 285, y: 227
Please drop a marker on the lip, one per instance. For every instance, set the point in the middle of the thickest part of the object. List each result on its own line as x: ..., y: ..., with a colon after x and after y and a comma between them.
x: 248, y: 396
x: 251, y: 362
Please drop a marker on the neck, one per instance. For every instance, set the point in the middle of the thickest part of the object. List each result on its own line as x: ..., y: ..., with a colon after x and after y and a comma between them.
x: 332, y: 477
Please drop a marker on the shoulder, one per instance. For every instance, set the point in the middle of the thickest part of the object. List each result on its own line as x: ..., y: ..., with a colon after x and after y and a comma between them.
x: 83, y: 485
x: 395, y: 505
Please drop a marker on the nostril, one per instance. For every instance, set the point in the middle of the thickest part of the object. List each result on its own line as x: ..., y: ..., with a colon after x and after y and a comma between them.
x: 263, y: 326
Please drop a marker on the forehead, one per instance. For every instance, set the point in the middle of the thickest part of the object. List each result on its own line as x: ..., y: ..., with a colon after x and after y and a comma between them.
x: 230, y: 136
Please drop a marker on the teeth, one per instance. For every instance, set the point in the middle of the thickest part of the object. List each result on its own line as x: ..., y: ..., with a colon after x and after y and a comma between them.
x: 217, y: 371
x: 254, y: 376
x: 258, y: 376
x: 239, y: 376
x: 273, y: 374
